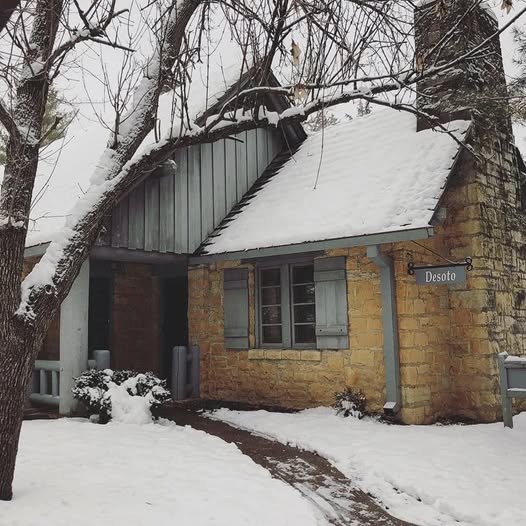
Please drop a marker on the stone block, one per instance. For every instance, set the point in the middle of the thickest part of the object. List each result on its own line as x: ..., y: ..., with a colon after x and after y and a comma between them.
x: 311, y: 356
x: 290, y: 355
x: 256, y: 354
x: 272, y: 355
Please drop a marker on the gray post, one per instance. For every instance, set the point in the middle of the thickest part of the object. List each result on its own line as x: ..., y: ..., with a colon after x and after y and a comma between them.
x: 102, y: 359
x: 73, y: 338
x: 43, y: 382
x: 507, y: 415
x: 195, y: 376
x: 390, y: 329
x: 179, y: 367
x: 35, y: 382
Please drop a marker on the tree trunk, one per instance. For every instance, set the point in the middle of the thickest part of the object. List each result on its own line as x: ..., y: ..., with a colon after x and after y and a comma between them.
x: 22, y: 327
x: 16, y: 366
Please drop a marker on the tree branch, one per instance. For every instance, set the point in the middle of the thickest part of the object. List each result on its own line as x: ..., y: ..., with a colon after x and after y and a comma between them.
x: 9, y: 123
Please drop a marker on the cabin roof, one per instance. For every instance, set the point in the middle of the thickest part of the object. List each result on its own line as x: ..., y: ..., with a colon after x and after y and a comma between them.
x: 374, y: 174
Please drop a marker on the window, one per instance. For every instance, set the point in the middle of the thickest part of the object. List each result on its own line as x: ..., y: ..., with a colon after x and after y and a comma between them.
x: 300, y: 303
x: 287, y: 309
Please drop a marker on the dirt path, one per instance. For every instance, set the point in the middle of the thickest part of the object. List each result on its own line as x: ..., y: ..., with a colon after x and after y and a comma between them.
x: 326, y: 487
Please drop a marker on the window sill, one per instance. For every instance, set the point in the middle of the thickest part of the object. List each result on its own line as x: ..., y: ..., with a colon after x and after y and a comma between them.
x: 288, y: 355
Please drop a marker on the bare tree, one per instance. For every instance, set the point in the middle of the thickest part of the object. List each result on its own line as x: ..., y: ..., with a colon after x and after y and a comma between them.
x: 326, y: 52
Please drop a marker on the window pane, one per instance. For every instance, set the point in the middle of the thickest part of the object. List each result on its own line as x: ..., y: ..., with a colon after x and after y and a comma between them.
x: 304, y: 334
x: 303, y: 274
x: 271, y: 315
x: 271, y: 276
x: 304, y: 314
x: 303, y: 293
x: 272, y: 334
x: 271, y: 296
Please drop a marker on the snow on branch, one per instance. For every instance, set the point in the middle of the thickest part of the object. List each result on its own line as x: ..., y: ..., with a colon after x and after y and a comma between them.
x: 50, y: 280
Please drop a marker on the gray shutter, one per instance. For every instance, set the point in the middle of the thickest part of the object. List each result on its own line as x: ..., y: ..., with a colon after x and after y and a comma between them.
x: 236, y: 308
x: 331, y: 303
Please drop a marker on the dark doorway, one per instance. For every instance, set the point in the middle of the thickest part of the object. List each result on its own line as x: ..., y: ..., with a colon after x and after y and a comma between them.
x: 99, y: 313
x: 174, y: 319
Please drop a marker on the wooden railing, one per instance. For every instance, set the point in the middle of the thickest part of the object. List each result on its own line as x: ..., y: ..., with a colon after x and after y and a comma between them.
x: 46, y: 383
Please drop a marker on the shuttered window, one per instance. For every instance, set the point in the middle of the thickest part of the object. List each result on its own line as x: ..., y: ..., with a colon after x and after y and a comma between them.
x: 271, y: 310
x: 302, y: 305
x: 236, y: 308
x: 331, y: 303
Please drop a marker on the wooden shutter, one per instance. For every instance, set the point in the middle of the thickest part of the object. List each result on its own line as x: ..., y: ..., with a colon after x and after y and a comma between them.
x: 331, y: 303
x: 236, y: 308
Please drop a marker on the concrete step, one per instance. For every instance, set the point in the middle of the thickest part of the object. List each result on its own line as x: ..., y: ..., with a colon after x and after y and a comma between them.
x: 39, y: 413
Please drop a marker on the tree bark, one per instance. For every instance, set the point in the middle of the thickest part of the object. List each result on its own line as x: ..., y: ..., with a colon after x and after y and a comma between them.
x: 21, y: 338
x: 22, y: 332
x: 17, y: 358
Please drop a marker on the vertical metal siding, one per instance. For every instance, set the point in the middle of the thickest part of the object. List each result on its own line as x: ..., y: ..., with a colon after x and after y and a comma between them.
x: 194, y: 197
x: 181, y: 201
x: 252, y: 161
x: 262, y: 142
x: 167, y: 210
x: 151, y: 213
x: 119, y: 224
x: 241, y: 165
x: 176, y: 208
x: 207, y: 191
x: 231, y: 176
x: 220, y: 210
x: 136, y: 218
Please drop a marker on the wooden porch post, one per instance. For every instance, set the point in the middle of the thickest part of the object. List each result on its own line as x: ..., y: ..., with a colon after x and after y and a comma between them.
x: 73, y: 337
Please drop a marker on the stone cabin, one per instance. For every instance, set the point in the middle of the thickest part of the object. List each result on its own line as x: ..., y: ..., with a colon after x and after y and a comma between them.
x: 286, y: 258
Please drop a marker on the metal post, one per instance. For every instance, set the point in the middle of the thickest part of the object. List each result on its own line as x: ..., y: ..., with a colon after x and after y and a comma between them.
x: 195, y: 374
x: 54, y: 383
x: 43, y: 382
x: 507, y: 415
x: 102, y: 359
x: 390, y: 329
x: 35, y: 382
x: 179, y: 366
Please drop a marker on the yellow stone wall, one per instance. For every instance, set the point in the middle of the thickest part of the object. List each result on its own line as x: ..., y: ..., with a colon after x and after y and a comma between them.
x: 449, y: 336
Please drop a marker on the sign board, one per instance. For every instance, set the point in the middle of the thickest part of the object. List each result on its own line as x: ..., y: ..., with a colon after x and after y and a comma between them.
x: 447, y: 275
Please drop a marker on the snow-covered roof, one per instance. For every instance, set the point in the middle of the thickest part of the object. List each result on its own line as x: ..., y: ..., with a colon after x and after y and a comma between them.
x: 374, y: 174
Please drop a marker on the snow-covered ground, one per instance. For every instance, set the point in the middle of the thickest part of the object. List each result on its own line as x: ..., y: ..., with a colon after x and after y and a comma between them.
x: 72, y: 472
x: 427, y: 475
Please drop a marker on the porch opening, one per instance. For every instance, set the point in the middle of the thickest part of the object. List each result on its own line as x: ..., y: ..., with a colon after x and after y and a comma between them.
x: 174, y: 320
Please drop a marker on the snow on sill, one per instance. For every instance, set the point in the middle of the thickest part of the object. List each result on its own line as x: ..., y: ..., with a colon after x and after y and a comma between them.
x: 516, y: 359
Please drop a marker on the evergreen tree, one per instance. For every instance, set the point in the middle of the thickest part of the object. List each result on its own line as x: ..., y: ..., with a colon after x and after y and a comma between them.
x: 53, y: 131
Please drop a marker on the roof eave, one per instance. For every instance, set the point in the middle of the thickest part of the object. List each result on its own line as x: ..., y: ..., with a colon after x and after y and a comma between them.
x: 315, y: 246
x: 36, y: 250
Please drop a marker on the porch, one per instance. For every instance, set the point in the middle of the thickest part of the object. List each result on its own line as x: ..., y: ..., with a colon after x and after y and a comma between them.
x: 128, y: 302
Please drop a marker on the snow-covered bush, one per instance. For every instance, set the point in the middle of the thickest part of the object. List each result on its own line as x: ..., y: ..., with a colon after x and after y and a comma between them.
x: 351, y: 403
x: 125, y: 396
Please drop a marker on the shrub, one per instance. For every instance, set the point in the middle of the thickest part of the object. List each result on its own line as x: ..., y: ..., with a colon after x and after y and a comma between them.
x: 350, y: 403
x: 97, y: 390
